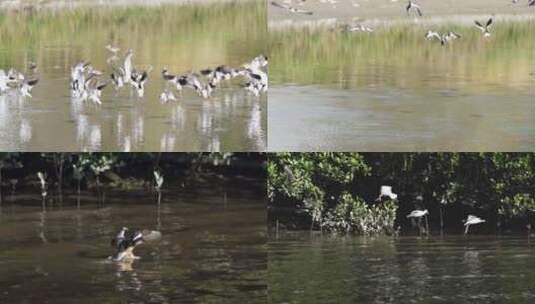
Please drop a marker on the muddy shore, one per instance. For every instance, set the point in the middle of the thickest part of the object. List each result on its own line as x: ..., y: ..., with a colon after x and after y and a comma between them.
x: 385, y: 12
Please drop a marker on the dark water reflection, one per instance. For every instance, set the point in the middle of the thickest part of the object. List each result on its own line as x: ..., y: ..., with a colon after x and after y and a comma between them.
x: 212, y: 251
x: 453, y: 269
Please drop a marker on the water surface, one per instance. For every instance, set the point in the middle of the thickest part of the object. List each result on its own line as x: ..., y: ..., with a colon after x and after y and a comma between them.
x: 179, y: 37
x: 392, y: 90
x: 452, y: 269
x: 212, y: 251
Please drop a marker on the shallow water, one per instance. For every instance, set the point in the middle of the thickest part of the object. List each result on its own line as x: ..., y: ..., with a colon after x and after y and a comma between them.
x: 178, y: 37
x: 212, y: 251
x: 394, y: 90
x: 453, y: 269
x: 313, y: 118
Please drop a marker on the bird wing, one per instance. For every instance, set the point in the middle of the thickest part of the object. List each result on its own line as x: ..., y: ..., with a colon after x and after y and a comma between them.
x: 301, y: 11
x: 479, y: 26
x: 280, y: 5
x: 32, y: 82
x: 489, y: 22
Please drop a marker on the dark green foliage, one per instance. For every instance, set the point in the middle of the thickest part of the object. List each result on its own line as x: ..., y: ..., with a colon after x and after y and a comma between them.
x: 337, y: 191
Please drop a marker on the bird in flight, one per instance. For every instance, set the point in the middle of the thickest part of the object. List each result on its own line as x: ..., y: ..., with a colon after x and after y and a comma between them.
x: 291, y: 8
x: 485, y: 29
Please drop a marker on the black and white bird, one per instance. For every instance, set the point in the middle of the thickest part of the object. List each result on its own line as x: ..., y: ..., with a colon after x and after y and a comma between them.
x: 291, y: 8
x: 119, y: 237
x: 138, y: 79
x: 485, y: 29
x: 413, y: 7
x: 358, y: 28
x: 125, y: 243
x: 444, y: 38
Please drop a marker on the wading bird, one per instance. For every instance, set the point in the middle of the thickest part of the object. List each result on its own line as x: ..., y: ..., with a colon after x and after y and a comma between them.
x: 126, y: 244
x: 413, y: 7
x: 119, y: 237
x: 138, y: 79
x: 358, y: 28
x: 472, y: 220
x: 42, y: 181
x: 485, y: 29
x: 418, y: 214
x: 444, y: 38
x: 387, y: 191
x: 291, y: 8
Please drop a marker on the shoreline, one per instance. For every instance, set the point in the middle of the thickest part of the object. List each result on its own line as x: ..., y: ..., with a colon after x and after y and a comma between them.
x: 389, y: 12
x: 456, y: 20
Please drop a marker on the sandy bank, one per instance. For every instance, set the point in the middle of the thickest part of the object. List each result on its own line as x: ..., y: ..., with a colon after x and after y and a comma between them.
x: 383, y: 12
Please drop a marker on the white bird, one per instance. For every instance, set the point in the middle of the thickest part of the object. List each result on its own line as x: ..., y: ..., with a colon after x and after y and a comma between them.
x: 291, y: 8
x: 114, y: 50
x: 359, y: 28
x: 485, y: 29
x: 3, y: 82
x: 387, y: 191
x: 127, y: 66
x: 158, y: 178
x: 42, y: 180
x: 417, y: 213
x: 472, y: 220
x: 444, y: 38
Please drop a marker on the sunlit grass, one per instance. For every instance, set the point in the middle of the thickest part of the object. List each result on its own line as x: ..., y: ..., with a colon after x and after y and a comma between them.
x: 187, y: 34
x: 400, y: 56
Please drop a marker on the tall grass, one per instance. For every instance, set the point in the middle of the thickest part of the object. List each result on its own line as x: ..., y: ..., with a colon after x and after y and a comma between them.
x: 185, y: 34
x: 400, y: 56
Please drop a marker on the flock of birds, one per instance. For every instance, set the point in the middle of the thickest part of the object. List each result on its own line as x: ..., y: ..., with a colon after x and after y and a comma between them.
x: 386, y: 191
x: 411, y: 9
x: 17, y: 82
x: 87, y: 82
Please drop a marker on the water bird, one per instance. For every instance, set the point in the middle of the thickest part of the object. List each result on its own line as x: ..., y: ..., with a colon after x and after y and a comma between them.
x: 114, y: 50
x: 42, y: 180
x: 411, y: 6
x: 138, y: 79
x: 127, y: 66
x: 158, y: 179
x: 485, y: 29
x: 291, y: 8
x: 125, y: 245
x: 359, y: 28
x: 93, y: 88
x: 444, y: 38
x: 192, y: 80
x: 220, y: 73
x: 472, y: 220
x: 3, y: 82
x: 531, y: 2
x: 119, y: 237
x: 387, y: 191
x: 417, y: 213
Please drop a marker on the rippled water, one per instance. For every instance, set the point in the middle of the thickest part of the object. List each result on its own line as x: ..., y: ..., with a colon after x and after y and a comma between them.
x: 452, y: 269
x: 212, y: 251
x: 394, y: 90
x: 178, y: 37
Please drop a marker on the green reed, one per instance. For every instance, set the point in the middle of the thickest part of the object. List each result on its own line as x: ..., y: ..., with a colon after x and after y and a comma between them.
x: 400, y: 56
